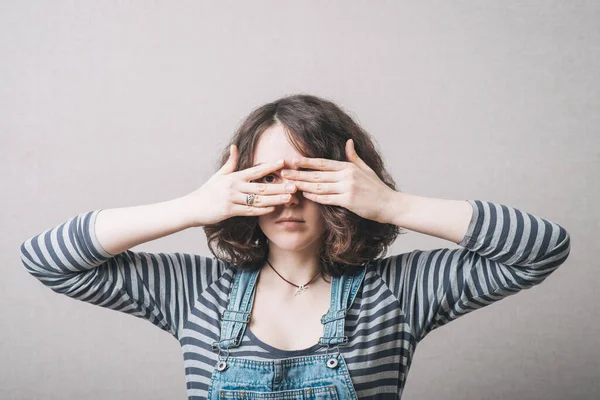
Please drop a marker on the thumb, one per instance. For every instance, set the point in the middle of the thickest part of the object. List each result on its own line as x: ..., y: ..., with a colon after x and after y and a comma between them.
x: 354, y: 158
x: 231, y: 163
x: 351, y: 154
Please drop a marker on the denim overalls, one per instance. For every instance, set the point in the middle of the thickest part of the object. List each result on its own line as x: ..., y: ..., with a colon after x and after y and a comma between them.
x: 323, y: 376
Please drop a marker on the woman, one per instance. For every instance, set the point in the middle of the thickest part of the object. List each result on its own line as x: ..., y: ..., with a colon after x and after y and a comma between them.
x: 297, y: 301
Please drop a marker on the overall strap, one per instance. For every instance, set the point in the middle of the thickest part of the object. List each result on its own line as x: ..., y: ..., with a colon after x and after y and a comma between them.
x: 343, y: 292
x: 237, y: 315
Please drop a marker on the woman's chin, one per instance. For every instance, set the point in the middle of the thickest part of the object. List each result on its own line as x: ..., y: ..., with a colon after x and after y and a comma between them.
x: 292, y: 243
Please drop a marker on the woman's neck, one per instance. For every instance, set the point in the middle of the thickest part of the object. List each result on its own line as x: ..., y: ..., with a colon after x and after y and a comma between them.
x: 296, y: 267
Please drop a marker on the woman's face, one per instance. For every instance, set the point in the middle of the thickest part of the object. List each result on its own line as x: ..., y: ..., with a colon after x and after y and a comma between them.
x: 273, y: 145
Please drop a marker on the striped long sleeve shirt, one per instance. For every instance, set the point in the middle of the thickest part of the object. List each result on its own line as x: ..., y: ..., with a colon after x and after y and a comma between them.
x: 402, y: 299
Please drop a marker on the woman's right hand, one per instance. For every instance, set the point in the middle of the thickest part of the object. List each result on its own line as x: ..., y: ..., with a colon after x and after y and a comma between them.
x: 224, y: 194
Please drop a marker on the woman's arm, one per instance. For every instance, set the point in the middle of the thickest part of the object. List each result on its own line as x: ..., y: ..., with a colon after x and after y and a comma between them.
x: 71, y: 259
x: 119, y: 229
x: 446, y: 219
x: 505, y: 250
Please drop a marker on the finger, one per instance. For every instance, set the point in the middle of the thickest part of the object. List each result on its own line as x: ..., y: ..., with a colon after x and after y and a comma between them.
x: 328, y: 199
x: 320, y: 187
x: 319, y: 163
x: 261, y: 170
x: 265, y: 188
x: 311, y: 176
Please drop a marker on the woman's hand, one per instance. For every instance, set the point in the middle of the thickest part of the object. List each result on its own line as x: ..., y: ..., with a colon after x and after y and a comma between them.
x: 224, y: 194
x: 352, y: 185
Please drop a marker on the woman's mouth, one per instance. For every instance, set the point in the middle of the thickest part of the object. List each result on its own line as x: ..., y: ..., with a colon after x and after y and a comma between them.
x: 291, y: 224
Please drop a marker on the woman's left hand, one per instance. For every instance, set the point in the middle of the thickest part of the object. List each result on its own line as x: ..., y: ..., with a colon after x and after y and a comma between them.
x: 350, y: 184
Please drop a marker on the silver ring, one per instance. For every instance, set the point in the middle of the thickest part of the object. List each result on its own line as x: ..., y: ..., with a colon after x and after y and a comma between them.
x: 250, y: 199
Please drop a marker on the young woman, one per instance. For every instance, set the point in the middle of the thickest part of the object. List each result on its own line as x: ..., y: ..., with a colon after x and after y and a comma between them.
x: 297, y: 300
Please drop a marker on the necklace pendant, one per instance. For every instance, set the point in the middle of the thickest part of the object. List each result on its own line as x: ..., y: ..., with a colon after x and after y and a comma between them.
x: 300, y: 289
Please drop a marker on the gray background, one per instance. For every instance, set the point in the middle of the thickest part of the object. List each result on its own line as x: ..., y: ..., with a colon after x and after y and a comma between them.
x: 118, y: 103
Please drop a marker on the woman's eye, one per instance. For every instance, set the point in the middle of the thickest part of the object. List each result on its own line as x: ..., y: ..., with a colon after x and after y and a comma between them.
x: 265, y: 177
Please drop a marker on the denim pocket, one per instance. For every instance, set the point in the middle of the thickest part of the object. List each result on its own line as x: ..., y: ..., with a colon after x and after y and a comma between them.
x: 311, y: 393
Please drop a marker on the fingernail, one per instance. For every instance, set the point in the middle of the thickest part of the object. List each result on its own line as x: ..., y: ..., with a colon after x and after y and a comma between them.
x: 289, y: 187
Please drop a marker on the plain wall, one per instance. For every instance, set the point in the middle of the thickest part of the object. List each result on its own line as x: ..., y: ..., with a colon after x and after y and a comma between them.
x: 118, y: 103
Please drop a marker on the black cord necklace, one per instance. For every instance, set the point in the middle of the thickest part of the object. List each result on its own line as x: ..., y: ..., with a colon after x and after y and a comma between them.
x: 300, y: 288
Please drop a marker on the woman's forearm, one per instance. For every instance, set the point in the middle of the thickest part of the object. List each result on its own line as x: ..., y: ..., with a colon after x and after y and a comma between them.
x: 119, y: 229
x: 446, y: 219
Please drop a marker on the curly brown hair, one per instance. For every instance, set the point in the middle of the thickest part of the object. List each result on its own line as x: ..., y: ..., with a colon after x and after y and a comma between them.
x: 317, y: 128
